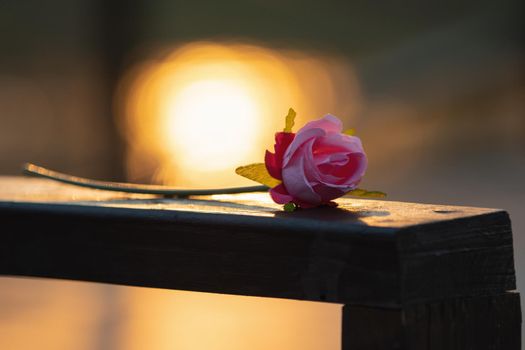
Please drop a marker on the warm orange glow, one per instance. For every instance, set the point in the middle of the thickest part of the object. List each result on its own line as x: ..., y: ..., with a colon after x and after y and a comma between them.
x: 193, y: 116
x: 62, y: 315
x: 190, y: 119
x: 164, y: 320
x: 209, y: 142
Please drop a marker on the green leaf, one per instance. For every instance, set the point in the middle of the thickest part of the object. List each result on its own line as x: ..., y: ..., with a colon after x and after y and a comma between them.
x: 290, y: 120
x: 349, y: 132
x: 289, y: 207
x: 359, y: 192
x: 258, y: 173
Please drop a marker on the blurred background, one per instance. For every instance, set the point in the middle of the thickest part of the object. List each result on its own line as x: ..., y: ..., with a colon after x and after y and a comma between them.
x: 182, y: 92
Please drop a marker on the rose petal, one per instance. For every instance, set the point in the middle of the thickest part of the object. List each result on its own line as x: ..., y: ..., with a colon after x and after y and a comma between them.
x: 339, y: 159
x: 298, y: 141
x: 328, y: 193
x: 274, y: 161
x: 356, y: 168
x: 329, y: 123
x: 280, y: 195
x: 274, y: 169
x: 296, y: 182
x: 313, y: 173
x: 338, y: 142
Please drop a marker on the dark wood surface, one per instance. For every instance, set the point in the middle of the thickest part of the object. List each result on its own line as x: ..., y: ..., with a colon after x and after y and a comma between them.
x: 364, y: 252
x: 474, y: 323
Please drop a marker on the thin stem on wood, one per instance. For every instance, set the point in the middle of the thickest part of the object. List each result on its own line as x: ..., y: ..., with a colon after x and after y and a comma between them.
x: 35, y: 170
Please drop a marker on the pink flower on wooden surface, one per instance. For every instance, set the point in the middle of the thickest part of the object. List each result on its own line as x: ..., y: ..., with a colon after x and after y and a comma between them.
x: 316, y: 165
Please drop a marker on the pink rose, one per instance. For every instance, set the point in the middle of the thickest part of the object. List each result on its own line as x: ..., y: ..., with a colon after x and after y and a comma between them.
x: 316, y: 165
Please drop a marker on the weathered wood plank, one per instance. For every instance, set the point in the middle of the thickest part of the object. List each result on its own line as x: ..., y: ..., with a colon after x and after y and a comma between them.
x: 475, y: 323
x: 364, y: 252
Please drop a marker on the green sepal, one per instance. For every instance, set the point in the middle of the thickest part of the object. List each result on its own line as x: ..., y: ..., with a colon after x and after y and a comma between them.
x: 349, y: 132
x: 289, y: 207
x: 289, y: 120
x: 359, y: 192
x: 257, y: 172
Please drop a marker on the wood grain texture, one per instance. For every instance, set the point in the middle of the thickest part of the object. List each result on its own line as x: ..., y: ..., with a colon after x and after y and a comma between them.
x: 365, y: 252
x: 474, y: 323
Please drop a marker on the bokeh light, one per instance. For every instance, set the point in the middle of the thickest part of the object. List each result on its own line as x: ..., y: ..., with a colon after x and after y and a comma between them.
x: 192, y: 116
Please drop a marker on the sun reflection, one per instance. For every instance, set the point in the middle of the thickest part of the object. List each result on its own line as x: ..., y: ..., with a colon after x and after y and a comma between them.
x: 208, y: 142
x: 191, y: 117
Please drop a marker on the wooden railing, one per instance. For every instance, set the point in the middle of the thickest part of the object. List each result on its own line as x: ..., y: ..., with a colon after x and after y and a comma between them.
x: 411, y: 276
